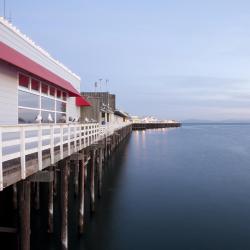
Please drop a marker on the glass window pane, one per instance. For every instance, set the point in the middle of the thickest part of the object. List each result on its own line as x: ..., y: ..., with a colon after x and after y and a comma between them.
x: 60, y: 106
x: 35, y: 84
x: 48, y: 103
x: 23, y: 80
x: 48, y: 117
x: 45, y: 88
x: 27, y: 115
x: 64, y: 96
x: 61, y: 117
x: 28, y: 99
x: 58, y: 93
x: 52, y: 91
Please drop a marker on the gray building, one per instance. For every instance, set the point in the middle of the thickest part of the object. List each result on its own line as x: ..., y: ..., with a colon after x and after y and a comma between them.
x: 102, y: 107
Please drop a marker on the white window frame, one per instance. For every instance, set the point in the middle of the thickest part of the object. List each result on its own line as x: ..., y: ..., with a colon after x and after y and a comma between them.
x: 40, y: 95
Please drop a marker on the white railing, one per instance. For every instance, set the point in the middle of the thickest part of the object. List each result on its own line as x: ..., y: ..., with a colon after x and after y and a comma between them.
x: 18, y: 141
x: 109, y: 128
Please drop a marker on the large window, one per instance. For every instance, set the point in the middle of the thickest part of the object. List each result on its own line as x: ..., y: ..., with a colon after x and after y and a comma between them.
x: 39, y: 102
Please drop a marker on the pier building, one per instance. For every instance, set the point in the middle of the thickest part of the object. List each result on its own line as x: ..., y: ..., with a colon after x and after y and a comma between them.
x: 44, y: 135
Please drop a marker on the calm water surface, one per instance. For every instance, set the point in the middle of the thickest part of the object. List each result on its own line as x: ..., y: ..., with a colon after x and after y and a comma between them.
x: 186, y: 188
x: 173, y: 189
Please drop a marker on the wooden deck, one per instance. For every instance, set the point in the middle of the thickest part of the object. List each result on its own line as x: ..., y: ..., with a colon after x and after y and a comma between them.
x: 27, y: 149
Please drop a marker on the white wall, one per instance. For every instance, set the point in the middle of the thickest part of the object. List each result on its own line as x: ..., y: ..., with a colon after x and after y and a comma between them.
x: 73, y: 110
x: 8, y: 94
x: 118, y: 119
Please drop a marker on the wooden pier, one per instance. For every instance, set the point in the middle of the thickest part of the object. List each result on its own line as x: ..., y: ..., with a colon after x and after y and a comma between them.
x: 154, y: 125
x: 71, y: 150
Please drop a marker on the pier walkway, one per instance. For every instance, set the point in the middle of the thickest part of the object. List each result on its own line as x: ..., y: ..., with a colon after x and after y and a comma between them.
x: 27, y: 149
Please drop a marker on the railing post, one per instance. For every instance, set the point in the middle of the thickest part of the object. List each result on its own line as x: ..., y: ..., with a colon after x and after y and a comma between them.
x: 1, y: 161
x: 52, y: 155
x: 88, y: 136
x: 84, y: 130
x: 80, y: 137
x: 69, y: 132
x: 61, y: 142
x: 75, y: 138
x: 22, y: 152
x: 40, y: 148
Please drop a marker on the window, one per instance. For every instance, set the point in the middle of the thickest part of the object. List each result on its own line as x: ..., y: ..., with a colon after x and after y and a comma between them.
x: 60, y: 106
x: 60, y: 117
x: 47, y: 103
x: 48, y: 117
x: 23, y: 81
x: 35, y: 107
x: 26, y: 99
x: 27, y: 115
x: 58, y: 94
x: 64, y: 96
x: 45, y: 88
x: 35, y: 85
x: 52, y: 91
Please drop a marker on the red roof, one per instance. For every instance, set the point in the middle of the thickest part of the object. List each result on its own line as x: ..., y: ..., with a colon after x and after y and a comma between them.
x: 80, y: 101
x: 14, y: 57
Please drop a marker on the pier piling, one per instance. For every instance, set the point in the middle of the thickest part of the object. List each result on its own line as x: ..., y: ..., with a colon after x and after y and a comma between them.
x: 100, y: 173
x: 64, y: 204
x: 92, y: 179
x: 24, y: 214
x: 81, y: 194
x: 51, y: 205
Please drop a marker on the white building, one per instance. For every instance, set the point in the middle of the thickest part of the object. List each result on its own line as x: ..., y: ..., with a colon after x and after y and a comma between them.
x: 34, y: 87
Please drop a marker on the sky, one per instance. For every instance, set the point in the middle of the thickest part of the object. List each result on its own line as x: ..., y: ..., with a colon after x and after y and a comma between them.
x: 171, y: 59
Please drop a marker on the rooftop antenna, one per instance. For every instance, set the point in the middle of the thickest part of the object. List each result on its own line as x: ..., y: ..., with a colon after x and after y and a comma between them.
x: 96, y: 86
x: 10, y: 17
x: 4, y: 9
x: 107, y: 80
x: 100, y: 84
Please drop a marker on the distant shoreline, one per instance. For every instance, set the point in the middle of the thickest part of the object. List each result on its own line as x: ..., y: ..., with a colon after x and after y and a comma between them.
x: 215, y: 123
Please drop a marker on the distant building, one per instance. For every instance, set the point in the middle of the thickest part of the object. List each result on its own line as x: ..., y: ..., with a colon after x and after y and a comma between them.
x: 121, y: 116
x: 135, y: 119
x: 102, y: 107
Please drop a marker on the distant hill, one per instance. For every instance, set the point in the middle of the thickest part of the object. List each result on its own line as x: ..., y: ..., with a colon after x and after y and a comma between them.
x: 215, y: 121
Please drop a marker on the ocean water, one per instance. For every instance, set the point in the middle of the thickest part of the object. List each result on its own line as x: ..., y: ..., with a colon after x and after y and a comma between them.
x: 179, y: 189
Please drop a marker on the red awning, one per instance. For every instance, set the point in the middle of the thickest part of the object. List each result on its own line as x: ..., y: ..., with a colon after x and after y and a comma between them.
x: 14, y: 57
x: 80, y: 101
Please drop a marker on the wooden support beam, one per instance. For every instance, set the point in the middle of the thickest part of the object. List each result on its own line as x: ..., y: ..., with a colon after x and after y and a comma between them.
x: 24, y: 214
x: 8, y: 230
x: 64, y: 204
x: 42, y: 176
x: 81, y: 195
x: 92, y: 179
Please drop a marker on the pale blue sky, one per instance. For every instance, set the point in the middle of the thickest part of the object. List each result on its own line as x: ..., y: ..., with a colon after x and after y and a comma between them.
x: 174, y: 59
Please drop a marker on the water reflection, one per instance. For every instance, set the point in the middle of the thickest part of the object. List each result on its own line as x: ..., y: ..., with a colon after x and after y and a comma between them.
x: 171, y: 189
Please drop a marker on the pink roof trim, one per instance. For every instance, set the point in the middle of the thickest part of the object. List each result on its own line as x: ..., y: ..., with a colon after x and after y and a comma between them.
x: 17, y: 59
